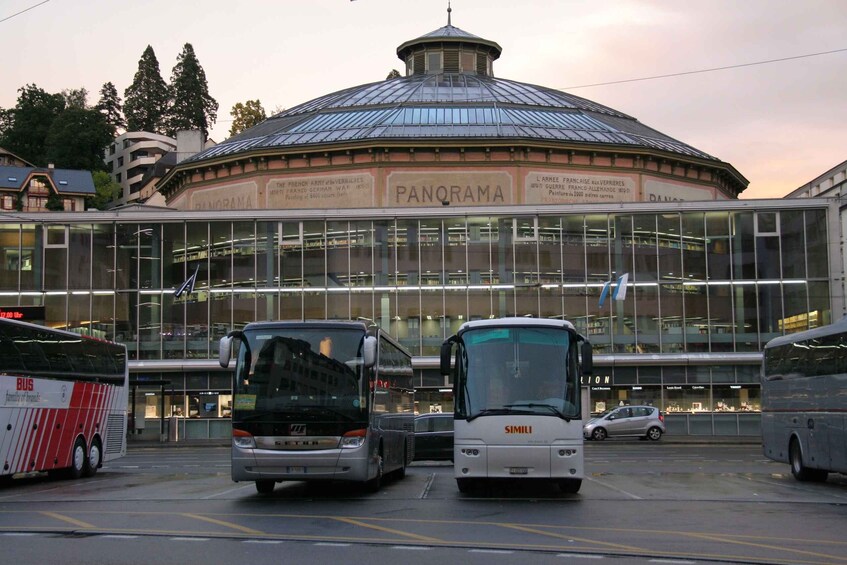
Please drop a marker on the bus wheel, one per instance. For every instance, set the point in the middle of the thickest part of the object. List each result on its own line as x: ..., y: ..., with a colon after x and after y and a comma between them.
x: 78, y: 460
x: 570, y: 486
x: 400, y: 473
x: 465, y: 485
x: 94, y: 460
x: 799, y: 469
x: 265, y: 486
x: 375, y: 483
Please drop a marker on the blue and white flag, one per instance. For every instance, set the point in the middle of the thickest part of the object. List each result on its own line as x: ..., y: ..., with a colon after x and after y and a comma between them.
x: 620, y: 289
x: 619, y: 293
x: 604, y: 293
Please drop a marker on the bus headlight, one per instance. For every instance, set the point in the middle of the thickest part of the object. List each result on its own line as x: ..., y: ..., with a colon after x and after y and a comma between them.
x: 243, y: 439
x: 353, y: 439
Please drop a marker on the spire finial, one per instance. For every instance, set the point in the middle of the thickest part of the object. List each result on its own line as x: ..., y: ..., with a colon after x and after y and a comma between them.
x: 449, y: 9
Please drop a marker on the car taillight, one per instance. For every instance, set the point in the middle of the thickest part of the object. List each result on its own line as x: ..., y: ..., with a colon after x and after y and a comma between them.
x: 661, y: 417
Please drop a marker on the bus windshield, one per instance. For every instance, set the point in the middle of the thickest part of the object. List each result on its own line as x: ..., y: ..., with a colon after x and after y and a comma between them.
x: 315, y: 372
x: 518, y: 370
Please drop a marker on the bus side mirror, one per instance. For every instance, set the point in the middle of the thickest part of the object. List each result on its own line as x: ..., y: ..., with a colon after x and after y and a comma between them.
x: 446, y: 354
x: 225, y: 351
x: 587, y: 358
x: 369, y: 351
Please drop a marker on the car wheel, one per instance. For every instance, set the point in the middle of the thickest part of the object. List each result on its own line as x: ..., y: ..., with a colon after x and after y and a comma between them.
x: 654, y: 433
x: 599, y: 434
x: 799, y: 469
x: 265, y: 486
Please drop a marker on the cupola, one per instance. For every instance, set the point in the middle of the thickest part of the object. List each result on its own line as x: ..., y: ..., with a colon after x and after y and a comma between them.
x: 449, y: 50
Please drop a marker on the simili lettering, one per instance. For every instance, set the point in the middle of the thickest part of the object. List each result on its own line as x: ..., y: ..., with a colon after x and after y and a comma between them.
x: 518, y: 429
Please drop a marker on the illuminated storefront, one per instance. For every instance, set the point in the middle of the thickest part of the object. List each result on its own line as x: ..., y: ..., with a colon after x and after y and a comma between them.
x: 709, y: 284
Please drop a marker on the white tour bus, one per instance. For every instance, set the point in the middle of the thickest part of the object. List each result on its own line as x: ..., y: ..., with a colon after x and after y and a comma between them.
x: 517, y: 400
x: 804, y: 401
x: 318, y: 401
x: 63, y: 401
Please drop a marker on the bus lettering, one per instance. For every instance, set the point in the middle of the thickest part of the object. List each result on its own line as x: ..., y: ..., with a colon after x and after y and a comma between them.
x: 518, y: 429
x: 25, y: 384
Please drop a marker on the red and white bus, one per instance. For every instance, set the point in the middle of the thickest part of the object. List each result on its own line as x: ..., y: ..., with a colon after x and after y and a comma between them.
x: 63, y: 401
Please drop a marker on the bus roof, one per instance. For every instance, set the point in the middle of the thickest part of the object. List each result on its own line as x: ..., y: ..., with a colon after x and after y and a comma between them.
x: 336, y: 324
x: 517, y: 322
x: 370, y: 329
x: 836, y: 328
x: 57, y: 331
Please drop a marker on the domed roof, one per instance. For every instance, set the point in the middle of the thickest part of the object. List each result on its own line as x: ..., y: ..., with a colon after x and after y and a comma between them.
x: 449, y: 104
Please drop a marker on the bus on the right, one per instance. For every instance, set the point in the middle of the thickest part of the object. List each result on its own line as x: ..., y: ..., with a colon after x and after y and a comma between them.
x: 804, y: 401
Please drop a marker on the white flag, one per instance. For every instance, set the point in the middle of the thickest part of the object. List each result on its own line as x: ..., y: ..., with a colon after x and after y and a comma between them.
x: 620, y: 289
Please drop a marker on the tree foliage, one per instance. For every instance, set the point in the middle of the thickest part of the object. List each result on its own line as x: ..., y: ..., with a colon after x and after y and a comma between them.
x: 54, y: 202
x: 146, y: 99
x: 192, y: 107
x: 107, y: 191
x: 28, y: 123
x: 110, y: 106
x: 393, y: 74
x: 75, y: 98
x: 245, y: 116
x: 77, y: 138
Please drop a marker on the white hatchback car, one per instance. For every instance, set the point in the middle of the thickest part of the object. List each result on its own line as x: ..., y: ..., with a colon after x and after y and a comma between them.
x: 637, y: 421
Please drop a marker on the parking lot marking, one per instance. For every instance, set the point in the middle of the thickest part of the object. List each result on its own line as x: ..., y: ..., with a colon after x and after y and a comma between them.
x: 241, y: 487
x: 386, y: 530
x: 729, y: 539
x: 69, y: 520
x: 427, y: 486
x: 608, y: 486
x: 225, y: 524
x: 572, y: 538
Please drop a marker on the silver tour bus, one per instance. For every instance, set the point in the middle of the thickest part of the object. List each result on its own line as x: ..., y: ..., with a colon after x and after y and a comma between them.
x: 517, y: 401
x: 804, y: 401
x: 319, y: 401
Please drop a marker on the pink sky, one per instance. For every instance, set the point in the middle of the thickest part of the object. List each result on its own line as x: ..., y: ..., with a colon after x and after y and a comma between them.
x: 780, y: 124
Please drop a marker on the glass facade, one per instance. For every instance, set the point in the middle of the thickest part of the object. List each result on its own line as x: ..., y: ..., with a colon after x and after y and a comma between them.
x: 719, y: 281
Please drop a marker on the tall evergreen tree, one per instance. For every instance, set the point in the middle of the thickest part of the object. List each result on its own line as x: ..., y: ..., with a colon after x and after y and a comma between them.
x: 110, y: 106
x: 146, y: 99
x: 191, y: 105
x: 27, y: 124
